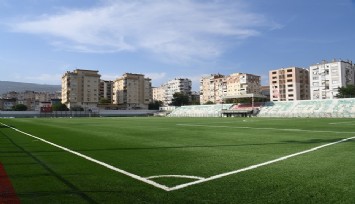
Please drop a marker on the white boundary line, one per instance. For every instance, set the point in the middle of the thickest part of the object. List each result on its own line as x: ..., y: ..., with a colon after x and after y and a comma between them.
x: 245, y: 127
x: 348, y: 122
x: 175, y: 176
x: 157, y: 185
x: 201, y: 180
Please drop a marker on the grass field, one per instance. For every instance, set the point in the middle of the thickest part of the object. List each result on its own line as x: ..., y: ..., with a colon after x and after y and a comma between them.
x: 180, y: 160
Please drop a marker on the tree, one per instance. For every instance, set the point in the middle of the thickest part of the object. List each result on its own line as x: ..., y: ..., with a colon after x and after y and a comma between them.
x: 208, y: 103
x: 19, y: 107
x: 59, y: 107
x: 346, y: 92
x: 77, y: 108
x: 155, y: 105
x: 104, y: 101
x: 180, y: 99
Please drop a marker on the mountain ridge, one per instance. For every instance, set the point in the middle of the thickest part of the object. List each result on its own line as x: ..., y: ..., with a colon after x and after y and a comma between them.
x: 7, y: 86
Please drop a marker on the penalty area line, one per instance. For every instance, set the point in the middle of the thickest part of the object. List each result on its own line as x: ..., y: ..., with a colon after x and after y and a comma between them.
x: 145, y: 180
x: 257, y: 165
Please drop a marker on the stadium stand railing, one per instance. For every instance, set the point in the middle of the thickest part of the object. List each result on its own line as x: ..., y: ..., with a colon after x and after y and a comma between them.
x: 200, y: 110
x: 339, y: 108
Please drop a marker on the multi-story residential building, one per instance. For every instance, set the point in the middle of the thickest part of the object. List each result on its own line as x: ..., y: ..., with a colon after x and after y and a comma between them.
x: 265, y: 91
x: 158, y: 93
x: 106, y: 90
x: 81, y: 88
x: 242, y: 84
x: 289, y: 84
x: 179, y: 85
x: 327, y: 77
x: 209, y: 87
x: 216, y: 87
x: 166, y: 91
x: 7, y: 103
x: 28, y: 99
x: 132, y: 91
x: 195, y: 97
x: 32, y: 99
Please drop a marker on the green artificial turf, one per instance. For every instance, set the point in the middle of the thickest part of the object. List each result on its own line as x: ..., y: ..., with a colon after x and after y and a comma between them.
x: 203, y: 147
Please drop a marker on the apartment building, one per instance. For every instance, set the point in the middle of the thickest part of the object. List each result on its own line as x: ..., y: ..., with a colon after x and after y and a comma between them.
x: 106, y: 90
x: 326, y: 77
x: 289, y: 84
x: 132, y: 91
x: 212, y: 88
x: 81, y: 88
x: 215, y: 87
x: 31, y: 99
x: 158, y: 93
x: 166, y: 91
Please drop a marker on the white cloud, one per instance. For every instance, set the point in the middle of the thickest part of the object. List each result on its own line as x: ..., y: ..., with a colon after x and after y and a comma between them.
x: 111, y: 77
x: 180, y: 30
x: 155, y: 76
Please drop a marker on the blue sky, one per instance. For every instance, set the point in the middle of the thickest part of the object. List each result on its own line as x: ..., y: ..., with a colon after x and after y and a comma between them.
x: 42, y: 39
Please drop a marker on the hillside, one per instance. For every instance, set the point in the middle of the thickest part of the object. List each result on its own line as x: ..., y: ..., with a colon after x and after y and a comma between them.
x: 6, y: 86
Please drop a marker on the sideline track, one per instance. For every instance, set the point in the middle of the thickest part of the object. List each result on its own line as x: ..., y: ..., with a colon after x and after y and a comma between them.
x: 200, y: 179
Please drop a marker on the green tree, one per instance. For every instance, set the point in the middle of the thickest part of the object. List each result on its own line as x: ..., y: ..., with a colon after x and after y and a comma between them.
x: 346, y: 92
x: 19, y: 107
x: 155, y: 105
x: 77, y: 108
x: 208, y: 103
x: 180, y: 99
x: 59, y: 107
x: 104, y: 101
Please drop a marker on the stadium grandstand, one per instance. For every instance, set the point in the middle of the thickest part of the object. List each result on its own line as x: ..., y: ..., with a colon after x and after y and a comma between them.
x: 337, y: 108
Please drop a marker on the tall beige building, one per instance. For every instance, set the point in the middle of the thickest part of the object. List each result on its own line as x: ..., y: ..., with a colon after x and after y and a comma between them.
x: 81, y: 88
x: 215, y: 87
x: 158, y: 93
x: 132, y: 91
x: 289, y: 84
x: 211, y: 88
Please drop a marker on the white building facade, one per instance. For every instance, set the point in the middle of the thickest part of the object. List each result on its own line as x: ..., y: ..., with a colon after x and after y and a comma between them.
x: 327, y: 77
x: 215, y: 87
x: 166, y: 91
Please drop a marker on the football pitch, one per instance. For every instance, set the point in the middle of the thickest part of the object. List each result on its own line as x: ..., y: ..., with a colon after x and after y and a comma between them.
x: 180, y: 160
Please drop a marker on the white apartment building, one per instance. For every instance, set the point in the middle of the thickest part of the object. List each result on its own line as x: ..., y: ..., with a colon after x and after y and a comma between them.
x: 326, y: 77
x: 215, y: 87
x: 166, y: 91
x: 81, y: 88
x: 289, y: 84
x: 132, y: 91
x: 179, y: 85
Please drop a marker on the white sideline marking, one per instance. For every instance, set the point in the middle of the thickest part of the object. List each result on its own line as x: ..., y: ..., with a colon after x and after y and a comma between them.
x: 244, y: 127
x: 348, y: 122
x: 94, y: 160
x: 175, y: 176
x: 256, y: 165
